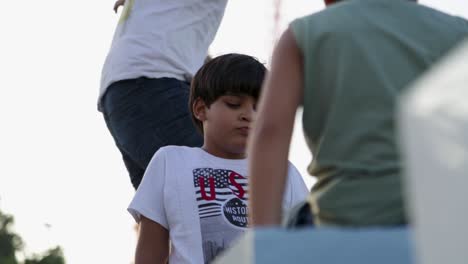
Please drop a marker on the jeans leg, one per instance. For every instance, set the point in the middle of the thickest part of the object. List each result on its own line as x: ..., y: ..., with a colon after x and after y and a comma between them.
x: 144, y: 115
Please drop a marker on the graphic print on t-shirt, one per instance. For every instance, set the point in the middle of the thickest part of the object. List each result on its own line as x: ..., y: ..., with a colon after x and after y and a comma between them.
x: 222, y: 207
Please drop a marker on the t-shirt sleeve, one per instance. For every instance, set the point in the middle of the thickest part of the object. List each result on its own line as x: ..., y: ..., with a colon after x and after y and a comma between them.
x: 295, y: 190
x: 149, y: 197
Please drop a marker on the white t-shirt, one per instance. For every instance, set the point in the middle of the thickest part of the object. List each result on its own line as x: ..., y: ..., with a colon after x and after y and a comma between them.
x: 201, y: 199
x: 161, y: 38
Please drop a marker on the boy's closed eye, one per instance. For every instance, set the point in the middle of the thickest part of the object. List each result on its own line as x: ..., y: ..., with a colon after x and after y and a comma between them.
x: 233, y: 101
x: 236, y: 102
x: 233, y: 105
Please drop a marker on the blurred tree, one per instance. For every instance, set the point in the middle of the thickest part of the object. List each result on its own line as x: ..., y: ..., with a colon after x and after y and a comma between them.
x: 52, y: 256
x: 10, y: 243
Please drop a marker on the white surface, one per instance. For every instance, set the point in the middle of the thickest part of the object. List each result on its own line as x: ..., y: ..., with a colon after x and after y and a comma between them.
x: 434, y: 127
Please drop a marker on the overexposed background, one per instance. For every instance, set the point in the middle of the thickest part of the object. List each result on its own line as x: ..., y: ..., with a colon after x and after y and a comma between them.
x: 61, y: 175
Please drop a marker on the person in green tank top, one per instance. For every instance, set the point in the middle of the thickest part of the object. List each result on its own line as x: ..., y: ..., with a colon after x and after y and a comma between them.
x: 346, y: 66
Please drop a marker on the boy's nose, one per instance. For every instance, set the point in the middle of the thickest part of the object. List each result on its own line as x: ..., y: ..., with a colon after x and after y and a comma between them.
x: 247, y: 115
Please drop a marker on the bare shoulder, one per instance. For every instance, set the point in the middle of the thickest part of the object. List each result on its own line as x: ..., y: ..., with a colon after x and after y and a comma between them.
x: 287, y: 47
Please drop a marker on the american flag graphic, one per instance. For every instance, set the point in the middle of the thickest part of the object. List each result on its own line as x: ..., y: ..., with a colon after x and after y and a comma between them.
x: 221, y: 197
x: 214, y: 186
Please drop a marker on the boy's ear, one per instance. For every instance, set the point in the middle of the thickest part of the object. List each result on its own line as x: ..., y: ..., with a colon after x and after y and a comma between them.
x: 199, y: 109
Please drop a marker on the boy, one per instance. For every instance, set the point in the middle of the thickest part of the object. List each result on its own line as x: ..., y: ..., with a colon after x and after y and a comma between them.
x: 347, y: 66
x: 197, y: 197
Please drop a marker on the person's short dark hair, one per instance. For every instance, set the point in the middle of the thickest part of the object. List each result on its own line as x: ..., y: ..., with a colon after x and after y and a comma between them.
x: 230, y: 74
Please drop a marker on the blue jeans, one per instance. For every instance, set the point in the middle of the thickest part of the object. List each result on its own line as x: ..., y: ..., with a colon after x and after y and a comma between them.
x: 144, y: 115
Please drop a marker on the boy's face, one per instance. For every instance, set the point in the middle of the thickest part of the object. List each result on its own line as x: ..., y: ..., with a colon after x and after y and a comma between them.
x: 226, y: 125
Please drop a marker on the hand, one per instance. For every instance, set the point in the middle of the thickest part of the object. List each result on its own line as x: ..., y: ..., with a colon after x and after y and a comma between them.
x: 117, y: 4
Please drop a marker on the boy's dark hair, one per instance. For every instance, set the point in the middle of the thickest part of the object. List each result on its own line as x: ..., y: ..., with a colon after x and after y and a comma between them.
x: 230, y: 74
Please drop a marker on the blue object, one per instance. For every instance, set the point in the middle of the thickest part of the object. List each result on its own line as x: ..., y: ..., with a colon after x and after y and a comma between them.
x: 323, y: 246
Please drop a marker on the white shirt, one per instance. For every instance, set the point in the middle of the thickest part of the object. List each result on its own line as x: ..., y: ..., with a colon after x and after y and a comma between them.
x: 201, y: 199
x: 161, y: 38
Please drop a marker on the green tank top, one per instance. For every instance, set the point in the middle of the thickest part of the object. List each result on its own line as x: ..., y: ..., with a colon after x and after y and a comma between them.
x: 359, y: 56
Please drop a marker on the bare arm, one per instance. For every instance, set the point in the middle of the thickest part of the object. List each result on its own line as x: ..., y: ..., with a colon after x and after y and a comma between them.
x: 269, y: 143
x: 153, y: 243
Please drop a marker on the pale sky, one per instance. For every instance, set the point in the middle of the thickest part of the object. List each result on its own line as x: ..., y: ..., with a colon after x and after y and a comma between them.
x: 59, y: 163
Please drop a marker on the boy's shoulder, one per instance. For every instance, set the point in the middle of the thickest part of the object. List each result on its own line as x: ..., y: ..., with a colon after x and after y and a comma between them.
x: 177, y: 157
x: 177, y: 153
x: 177, y: 150
x: 183, y: 157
